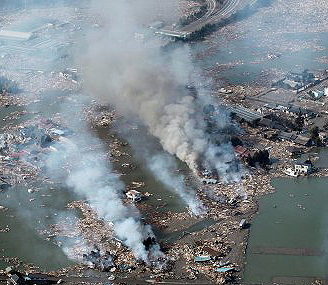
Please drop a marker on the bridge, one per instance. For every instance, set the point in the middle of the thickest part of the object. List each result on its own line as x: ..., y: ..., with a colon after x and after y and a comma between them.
x: 214, y: 13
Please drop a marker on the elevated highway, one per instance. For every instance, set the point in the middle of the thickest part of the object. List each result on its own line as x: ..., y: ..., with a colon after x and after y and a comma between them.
x: 215, y: 12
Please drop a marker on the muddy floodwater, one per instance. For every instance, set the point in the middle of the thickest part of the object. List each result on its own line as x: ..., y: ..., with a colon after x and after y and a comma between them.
x: 288, y: 242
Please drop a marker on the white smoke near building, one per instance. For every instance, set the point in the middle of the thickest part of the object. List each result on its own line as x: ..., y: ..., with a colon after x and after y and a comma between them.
x: 141, y: 80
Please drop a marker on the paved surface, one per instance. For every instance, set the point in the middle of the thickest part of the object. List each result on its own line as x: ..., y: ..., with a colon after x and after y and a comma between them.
x: 215, y: 12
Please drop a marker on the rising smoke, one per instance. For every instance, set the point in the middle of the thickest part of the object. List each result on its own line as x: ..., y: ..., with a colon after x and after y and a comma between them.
x: 80, y: 162
x: 162, y: 165
x: 141, y: 80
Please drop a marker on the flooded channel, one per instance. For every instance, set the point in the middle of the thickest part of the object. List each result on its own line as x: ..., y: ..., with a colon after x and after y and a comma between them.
x: 288, y: 241
x: 27, y: 213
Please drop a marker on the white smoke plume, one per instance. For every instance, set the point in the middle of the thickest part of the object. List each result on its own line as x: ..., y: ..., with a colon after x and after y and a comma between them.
x: 82, y: 162
x: 141, y: 80
x: 163, y: 166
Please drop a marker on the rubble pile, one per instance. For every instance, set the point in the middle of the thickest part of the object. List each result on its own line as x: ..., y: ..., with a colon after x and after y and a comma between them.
x: 216, y: 251
x: 206, y: 252
x: 97, y: 260
x: 24, y: 147
x: 99, y: 116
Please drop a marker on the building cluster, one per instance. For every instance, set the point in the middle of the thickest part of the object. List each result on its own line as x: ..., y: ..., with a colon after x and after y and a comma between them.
x: 302, y: 125
x: 297, y: 81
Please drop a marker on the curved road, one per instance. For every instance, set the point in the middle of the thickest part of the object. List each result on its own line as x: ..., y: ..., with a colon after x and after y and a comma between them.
x: 213, y: 14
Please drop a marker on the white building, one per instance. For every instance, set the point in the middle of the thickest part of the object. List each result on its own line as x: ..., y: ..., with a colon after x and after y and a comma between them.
x: 134, y: 195
x: 303, y: 168
x: 323, y: 136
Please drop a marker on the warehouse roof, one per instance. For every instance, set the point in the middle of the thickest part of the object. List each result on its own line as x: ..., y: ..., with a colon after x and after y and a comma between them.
x: 245, y: 114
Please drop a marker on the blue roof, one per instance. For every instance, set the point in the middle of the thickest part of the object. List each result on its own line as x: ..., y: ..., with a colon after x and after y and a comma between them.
x: 202, y: 258
x: 224, y: 269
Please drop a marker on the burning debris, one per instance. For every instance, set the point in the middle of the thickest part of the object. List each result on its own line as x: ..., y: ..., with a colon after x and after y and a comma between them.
x: 95, y: 259
x: 150, y: 86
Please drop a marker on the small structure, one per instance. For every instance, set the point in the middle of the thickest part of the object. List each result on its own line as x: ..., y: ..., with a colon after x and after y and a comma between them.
x: 323, y: 136
x: 225, y: 91
x: 297, y: 139
x: 296, y: 111
x: 156, y: 25
x: 202, y: 258
x: 16, y: 278
x: 206, y: 173
x: 304, y: 141
x: 268, y: 123
x: 297, y: 81
x: 287, y: 136
x: 295, y: 151
x: 209, y: 181
x: 291, y: 172
x: 224, y: 269
x: 134, y: 195
x: 316, y: 95
x: 243, y: 224
x: 290, y: 84
x: 304, y: 168
x: 242, y: 151
x: 326, y: 91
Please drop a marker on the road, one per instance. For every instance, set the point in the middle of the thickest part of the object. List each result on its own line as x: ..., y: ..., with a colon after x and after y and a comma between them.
x: 214, y: 13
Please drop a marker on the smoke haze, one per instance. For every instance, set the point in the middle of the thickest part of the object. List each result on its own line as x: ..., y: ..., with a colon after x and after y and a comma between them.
x: 81, y: 162
x: 141, y: 80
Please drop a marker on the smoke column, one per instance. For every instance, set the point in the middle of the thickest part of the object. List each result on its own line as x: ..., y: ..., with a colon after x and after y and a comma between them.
x: 163, y: 166
x: 140, y: 80
x: 80, y: 160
